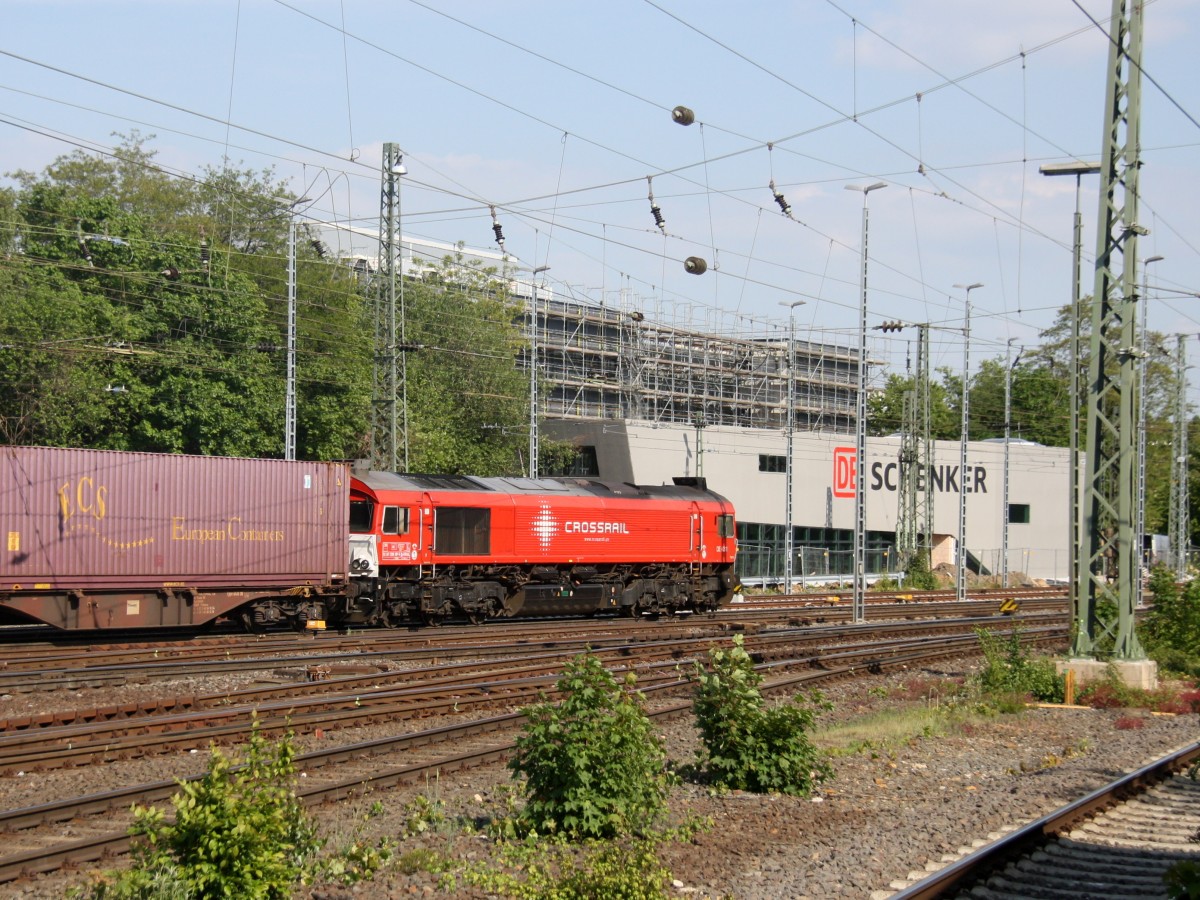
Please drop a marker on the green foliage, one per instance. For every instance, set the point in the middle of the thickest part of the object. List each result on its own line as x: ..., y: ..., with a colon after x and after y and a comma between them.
x: 593, y: 765
x: 174, y: 290
x: 423, y: 815
x: 238, y: 833
x: 625, y: 870
x: 468, y: 402
x: 1173, y: 623
x: 1183, y: 881
x: 746, y: 746
x: 885, y: 412
x: 918, y: 576
x: 1010, y: 673
x: 358, y: 861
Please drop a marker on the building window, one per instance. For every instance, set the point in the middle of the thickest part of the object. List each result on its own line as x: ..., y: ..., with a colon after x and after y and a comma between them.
x: 585, y: 464
x: 769, y: 463
x: 1018, y: 513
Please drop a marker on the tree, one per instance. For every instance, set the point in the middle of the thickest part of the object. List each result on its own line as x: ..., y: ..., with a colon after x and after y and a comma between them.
x: 148, y: 330
x: 468, y: 402
x: 154, y: 309
x: 885, y: 409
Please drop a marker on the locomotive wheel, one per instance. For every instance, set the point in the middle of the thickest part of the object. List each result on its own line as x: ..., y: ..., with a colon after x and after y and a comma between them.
x: 432, y: 619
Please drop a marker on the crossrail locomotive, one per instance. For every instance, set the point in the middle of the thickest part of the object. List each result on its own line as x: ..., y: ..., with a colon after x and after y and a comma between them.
x: 99, y: 539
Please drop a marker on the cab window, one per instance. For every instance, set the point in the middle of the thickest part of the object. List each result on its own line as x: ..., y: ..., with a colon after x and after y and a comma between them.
x: 725, y: 527
x: 362, y: 512
x: 395, y: 519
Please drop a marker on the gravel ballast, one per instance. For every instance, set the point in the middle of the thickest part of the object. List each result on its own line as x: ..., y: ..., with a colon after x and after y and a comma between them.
x: 891, y: 812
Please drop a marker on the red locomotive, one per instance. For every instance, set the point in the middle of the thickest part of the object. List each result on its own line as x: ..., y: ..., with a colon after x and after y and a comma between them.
x: 430, y: 547
x: 106, y: 539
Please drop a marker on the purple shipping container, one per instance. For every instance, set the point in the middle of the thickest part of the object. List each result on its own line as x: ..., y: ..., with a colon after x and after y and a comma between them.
x: 102, y: 539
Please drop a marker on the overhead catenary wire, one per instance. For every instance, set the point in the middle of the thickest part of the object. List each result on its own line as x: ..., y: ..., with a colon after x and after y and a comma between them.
x: 708, y: 193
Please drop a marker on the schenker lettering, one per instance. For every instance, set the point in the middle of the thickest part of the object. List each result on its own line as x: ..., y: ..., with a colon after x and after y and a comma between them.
x: 595, y: 528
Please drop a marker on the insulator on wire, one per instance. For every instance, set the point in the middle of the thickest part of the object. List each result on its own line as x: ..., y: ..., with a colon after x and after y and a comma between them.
x: 654, y: 210
x: 695, y: 265
x: 784, y: 207
x: 205, y: 254
x: 496, y: 228
x: 681, y: 115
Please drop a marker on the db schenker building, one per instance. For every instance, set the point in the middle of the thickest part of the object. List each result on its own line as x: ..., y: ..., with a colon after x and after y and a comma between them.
x: 645, y: 398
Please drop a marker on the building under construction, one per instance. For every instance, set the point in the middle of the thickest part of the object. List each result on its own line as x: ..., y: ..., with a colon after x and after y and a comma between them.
x: 601, y: 362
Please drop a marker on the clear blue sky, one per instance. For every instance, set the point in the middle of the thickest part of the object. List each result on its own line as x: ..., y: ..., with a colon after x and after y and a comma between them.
x: 555, y: 113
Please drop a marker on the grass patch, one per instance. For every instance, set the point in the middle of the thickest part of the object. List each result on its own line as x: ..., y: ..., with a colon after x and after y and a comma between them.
x: 891, y: 729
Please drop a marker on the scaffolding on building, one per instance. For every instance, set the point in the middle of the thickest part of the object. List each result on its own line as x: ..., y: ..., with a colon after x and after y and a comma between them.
x: 605, y: 362
x: 662, y: 361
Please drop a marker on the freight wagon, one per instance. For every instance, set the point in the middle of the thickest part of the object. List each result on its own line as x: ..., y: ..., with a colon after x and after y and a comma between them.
x: 109, y: 539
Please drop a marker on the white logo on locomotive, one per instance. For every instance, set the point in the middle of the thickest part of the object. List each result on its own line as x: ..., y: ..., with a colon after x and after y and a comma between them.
x: 544, y: 526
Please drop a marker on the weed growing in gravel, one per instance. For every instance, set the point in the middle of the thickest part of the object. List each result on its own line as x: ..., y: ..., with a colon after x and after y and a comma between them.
x: 1183, y: 881
x: 883, y: 732
x: 1010, y: 673
x: 1111, y: 693
x: 746, y: 746
x: 593, y: 765
x: 357, y: 861
x: 238, y: 832
x: 535, y: 869
x: 1172, y: 625
x: 354, y: 857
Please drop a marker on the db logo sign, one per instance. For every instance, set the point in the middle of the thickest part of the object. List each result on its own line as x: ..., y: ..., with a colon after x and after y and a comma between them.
x: 843, y: 471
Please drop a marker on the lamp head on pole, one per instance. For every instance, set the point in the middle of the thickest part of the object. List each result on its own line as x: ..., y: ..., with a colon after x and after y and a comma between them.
x: 1070, y: 168
x: 866, y: 189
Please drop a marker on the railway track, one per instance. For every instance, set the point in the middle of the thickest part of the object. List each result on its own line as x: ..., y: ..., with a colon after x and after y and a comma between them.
x: 37, y: 841
x: 50, y: 667
x: 81, y: 737
x: 1115, y: 843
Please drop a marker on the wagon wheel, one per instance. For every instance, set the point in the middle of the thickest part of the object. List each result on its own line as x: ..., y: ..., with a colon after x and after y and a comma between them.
x: 433, y: 618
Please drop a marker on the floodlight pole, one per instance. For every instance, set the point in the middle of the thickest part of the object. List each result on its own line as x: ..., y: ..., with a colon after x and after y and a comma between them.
x: 289, y: 407
x: 1078, y: 169
x: 961, y: 574
x: 1008, y: 369
x: 859, y: 613
x: 534, y: 386
x: 788, y: 540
